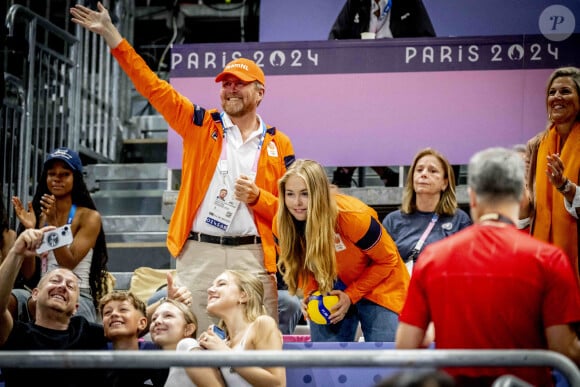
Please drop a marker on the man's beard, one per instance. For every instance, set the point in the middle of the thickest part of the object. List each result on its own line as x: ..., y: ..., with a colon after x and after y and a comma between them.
x: 235, y: 109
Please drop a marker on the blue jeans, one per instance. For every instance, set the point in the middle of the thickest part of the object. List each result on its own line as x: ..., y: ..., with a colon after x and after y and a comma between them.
x: 289, y: 312
x: 377, y: 324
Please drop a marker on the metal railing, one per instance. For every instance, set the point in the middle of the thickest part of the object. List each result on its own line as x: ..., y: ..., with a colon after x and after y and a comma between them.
x: 12, y: 124
x: 62, y: 90
x: 294, y: 358
x: 104, y: 90
x: 47, y: 76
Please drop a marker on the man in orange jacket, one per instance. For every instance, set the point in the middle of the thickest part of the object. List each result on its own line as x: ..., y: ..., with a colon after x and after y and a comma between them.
x: 233, y: 150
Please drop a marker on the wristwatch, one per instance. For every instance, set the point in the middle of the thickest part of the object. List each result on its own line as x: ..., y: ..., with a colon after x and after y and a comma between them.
x: 566, y: 187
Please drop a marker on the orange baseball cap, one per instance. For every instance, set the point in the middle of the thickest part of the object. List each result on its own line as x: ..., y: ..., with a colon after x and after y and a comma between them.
x: 245, y: 69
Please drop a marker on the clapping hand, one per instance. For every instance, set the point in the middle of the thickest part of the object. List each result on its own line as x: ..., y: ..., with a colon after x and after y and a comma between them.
x: 555, y: 170
x: 26, y: 217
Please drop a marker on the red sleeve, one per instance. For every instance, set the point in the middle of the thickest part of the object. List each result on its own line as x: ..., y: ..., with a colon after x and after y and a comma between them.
x: 416, y: 308
x: 561, y: 284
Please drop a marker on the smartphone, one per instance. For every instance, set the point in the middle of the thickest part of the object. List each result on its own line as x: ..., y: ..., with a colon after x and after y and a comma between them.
x: 219, y: 332
x: 54, y: 239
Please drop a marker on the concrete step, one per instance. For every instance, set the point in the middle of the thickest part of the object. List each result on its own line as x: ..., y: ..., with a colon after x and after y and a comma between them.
x: 127, y: 189
x: 128, y: 202
x: 136, y: 240
x: 130, y: 175
x: 147, y: 139
x: 127, y: 257
x: 150, y: 126
x: 129, y: 198
x: 123, y: 224
x: 144, y: 150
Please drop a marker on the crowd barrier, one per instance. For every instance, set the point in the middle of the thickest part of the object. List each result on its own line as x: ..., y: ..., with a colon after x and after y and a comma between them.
x: 370, y: 358
x: 351, y: 376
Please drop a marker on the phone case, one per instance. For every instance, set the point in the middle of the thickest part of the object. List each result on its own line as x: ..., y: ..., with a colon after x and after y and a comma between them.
x: 54, y: 239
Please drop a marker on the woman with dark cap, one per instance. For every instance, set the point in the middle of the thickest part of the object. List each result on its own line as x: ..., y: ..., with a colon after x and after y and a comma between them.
x: 63, y: 200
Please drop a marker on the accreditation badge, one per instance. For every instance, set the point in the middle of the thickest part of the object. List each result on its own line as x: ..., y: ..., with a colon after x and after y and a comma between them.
x: 223, y: 209
x: 272, y: 149
x: 338, y: 243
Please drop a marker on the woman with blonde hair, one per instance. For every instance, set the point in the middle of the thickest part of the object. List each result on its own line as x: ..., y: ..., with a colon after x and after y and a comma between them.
x: 335, y: 244
x: 236, y: 297
x: 174, y: 327
x: 429, y: 210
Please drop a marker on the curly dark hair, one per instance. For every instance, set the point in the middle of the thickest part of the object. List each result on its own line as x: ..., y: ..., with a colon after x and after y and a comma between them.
x: 82, y: 198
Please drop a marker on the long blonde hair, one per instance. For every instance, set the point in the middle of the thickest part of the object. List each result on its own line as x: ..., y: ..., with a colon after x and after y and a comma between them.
x: 253, y: 287
x: 250, y: 284
x: 308, y: 249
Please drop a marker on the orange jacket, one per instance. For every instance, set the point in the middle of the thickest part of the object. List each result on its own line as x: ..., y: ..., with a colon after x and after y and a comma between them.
x: 370, y: 266
x: 202, y: 135
x: 552, y: 223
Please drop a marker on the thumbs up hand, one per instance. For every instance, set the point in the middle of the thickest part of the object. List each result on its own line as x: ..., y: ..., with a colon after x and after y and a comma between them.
x: 176, y: 292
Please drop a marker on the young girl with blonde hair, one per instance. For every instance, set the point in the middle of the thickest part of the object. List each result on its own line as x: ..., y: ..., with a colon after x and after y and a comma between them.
x: 335, y: 244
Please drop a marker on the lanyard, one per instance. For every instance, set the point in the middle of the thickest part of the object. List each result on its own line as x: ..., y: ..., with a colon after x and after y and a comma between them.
x: 71, y: 214
x: 224, y: 154
x: 386, y: 9
x: 381, y: 18
x: 426, y: 233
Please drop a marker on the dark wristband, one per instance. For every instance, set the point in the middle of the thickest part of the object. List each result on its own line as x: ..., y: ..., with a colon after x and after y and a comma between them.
x: 563, y: 186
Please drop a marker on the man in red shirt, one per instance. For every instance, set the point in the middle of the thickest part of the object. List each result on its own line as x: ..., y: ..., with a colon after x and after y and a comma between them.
x: 491, y: 286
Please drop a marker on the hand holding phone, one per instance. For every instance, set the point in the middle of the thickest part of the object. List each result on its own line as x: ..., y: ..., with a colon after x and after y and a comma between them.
x: 59, y: 237
x: 219, y: 332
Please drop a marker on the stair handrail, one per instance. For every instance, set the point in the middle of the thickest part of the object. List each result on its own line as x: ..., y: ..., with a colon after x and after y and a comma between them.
x: 32, y: 144
x: 81, y: 100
